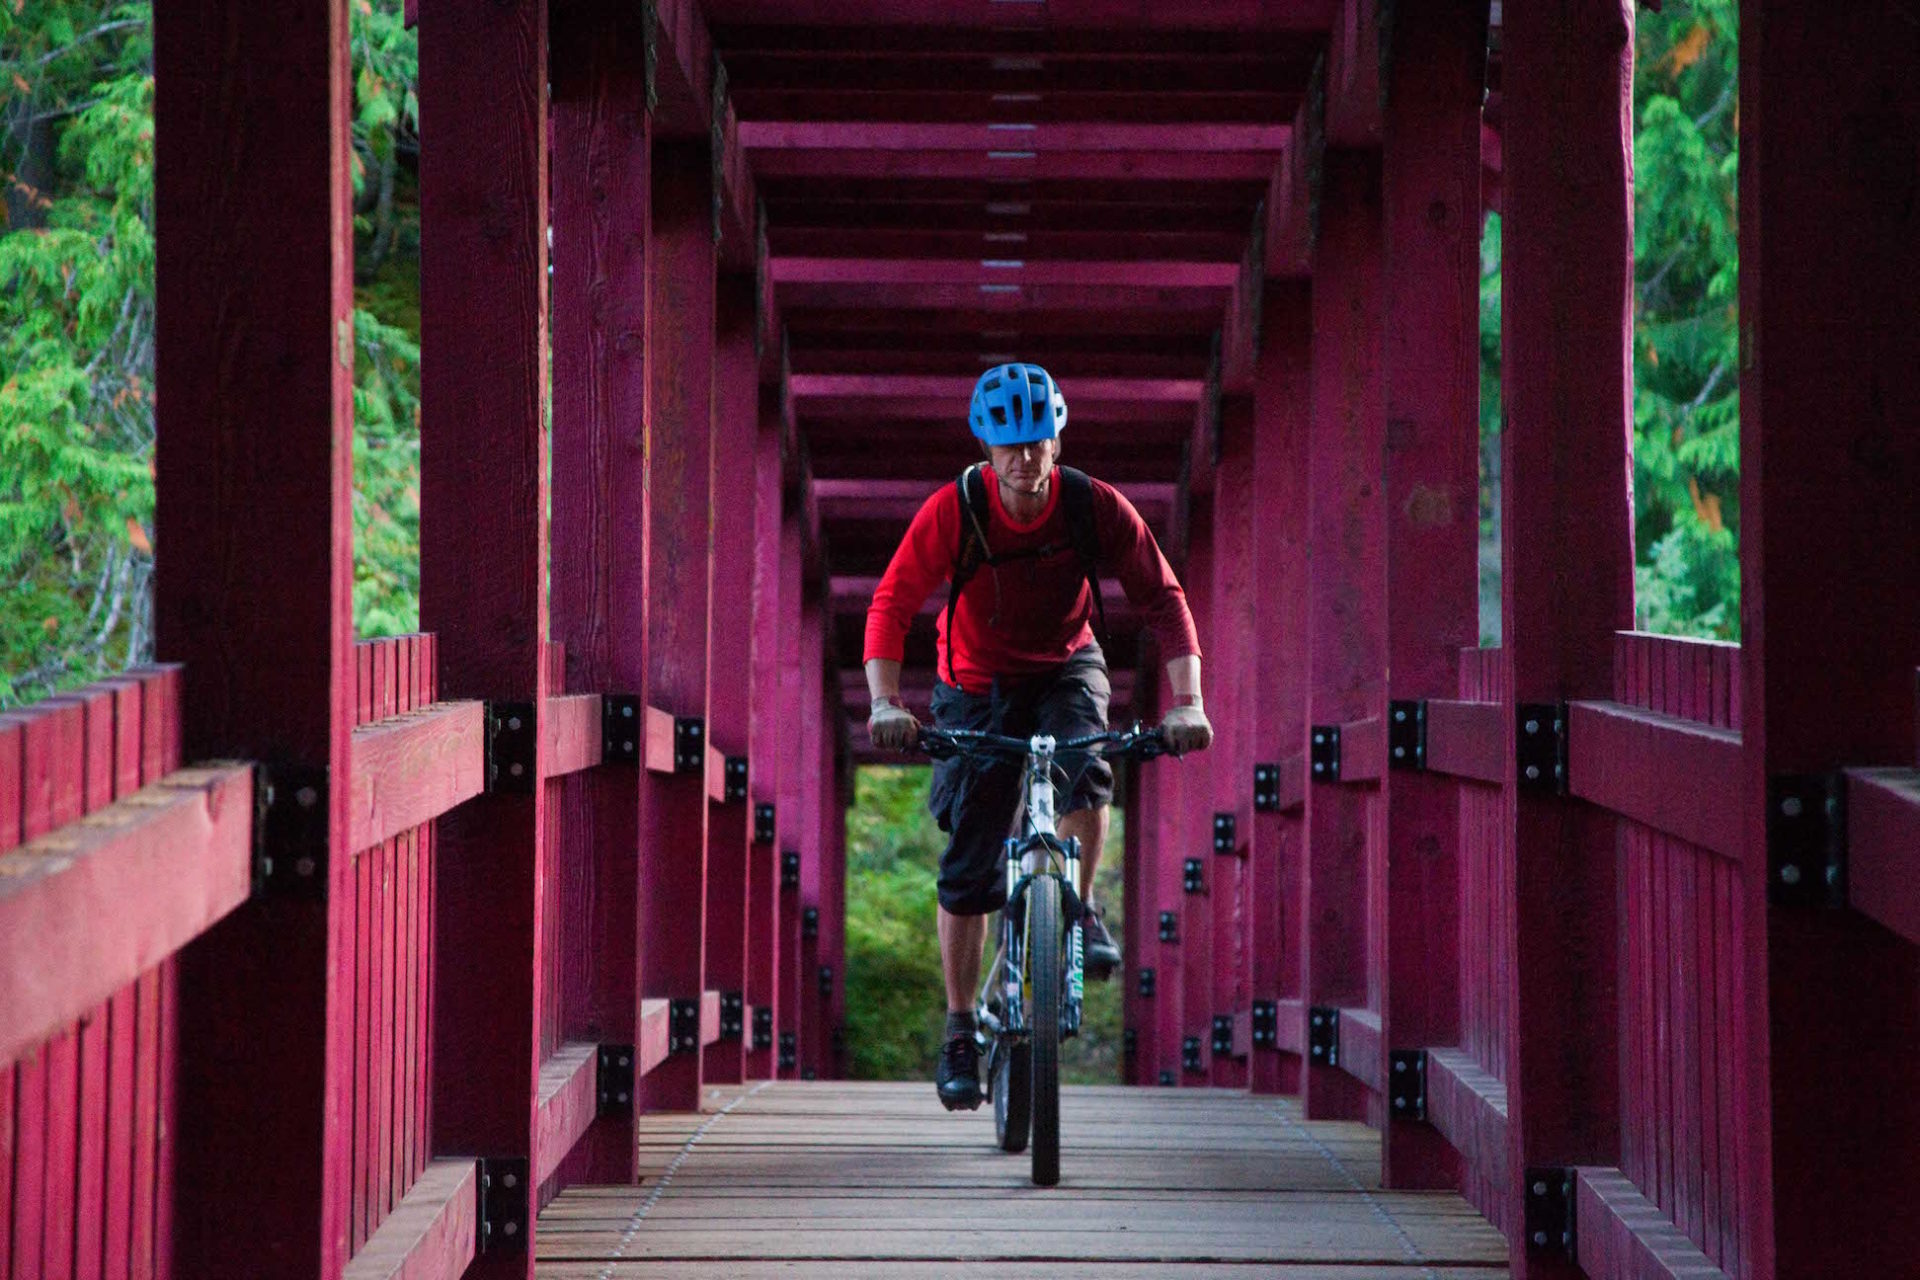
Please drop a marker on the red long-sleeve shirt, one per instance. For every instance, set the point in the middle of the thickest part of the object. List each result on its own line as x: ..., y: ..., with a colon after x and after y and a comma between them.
x: 1031, y: 613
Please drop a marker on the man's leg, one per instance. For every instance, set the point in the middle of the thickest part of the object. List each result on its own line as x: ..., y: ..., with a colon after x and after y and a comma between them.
x: 963, y: 939
x: 1089, y: 827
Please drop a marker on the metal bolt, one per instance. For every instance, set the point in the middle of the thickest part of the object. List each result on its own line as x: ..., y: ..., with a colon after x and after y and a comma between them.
x: 627, y: 712
x: 1400, y: 715
x: 1533, y: 773
x: 1790, y: 874
x: 1539, y: 1188
x: 693, y: 730
x: 1540, y: 1238
x: 512, y: 1228
x: 1399, y: 753
x: 304, y: 867
x: 1399, y: 1066
x: 1533, y: 726
x: 516, y: 768
x: 1400, y: 1104
x: 510, y: 1180
x: 1319, y: 738
x: 1791, y: 806
x: 306, y: 797
x: 513, y: 722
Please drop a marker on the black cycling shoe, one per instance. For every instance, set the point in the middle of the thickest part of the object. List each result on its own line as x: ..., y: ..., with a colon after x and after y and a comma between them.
x: 958, y: 1076
x: 1098, y: 949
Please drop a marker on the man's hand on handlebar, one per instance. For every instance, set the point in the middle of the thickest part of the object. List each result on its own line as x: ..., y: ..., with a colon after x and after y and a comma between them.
x: 891, y: 726
x: 1186, y: 729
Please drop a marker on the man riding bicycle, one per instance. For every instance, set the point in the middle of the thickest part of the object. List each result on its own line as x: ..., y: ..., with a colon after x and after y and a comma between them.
x: 1022, y: 544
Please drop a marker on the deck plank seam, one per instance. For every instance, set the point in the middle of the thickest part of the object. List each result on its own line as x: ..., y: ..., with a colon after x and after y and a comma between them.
x: 666, y: 1180
x: 1414, y: 1254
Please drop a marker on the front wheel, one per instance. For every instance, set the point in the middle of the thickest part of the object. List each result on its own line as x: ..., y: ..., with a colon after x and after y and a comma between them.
x: 1045, y: 971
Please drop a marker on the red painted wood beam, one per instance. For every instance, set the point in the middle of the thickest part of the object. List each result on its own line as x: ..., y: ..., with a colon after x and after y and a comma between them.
x: 431, y: 1233
x: 164, y: 864
x: 654, y: 1042
x: 1621, y: 1232
x: 900, y: 499
x: 674, y: 807
x: 1347, y: 644
x: 1467, y: 739
x: 1015, y: 140
x: 484, y: 482
x: 1193, y: 829
x: 1674, y: 775
x: 1355, y: 48
x: 1468, y: 1106
x: 736, y: 427
x: 952, y: 35
x: 565, y: 1106
x: 1293, y: 195
x: 682, y: 54
x: 570, y: 724
x: 602, y: 219
x: 1883, y: 829
x: 793, y: 764
x: 1363, y: 1048
x: 764, y: 751
x: 1121, y: 203
x: 872, y: 20
x: 1566, y: 324
x: 999, y: 164
x: 1002, y: 270
x: 414, y: 767
x: 254, y: 308
x: 1147, y: 107
x: 1281, y: 402
x: 1430, y: 167
x: 1009, y: 298
x: 916, y: 391
x: 991, y: 326
x: 1827, y: 647
x: 1004, y: 71
x: 937, y: 242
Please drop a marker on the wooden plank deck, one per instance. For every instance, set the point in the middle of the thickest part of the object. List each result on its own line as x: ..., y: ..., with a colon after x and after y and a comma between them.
x: 868, y: 1180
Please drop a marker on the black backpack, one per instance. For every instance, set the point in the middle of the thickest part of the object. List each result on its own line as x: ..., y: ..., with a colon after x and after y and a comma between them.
x: 1076, y: 497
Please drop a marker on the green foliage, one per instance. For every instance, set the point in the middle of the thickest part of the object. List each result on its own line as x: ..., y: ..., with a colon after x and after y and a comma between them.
x: 76, y: 337
x: 896, y: 1010
x: 1686, y: 400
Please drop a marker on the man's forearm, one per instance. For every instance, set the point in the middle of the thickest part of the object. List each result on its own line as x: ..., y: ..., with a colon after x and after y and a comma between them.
x: 883, y: 680
x: 1183, y: 673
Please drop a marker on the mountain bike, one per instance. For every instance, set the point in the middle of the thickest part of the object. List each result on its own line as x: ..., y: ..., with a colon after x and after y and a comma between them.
x: 1031, y: 998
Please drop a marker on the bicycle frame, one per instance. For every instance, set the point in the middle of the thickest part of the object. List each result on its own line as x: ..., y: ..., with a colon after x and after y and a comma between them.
x: 1035, y: 850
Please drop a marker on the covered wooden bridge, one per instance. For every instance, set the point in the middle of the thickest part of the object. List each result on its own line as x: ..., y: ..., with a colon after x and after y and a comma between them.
x: 321, y: 958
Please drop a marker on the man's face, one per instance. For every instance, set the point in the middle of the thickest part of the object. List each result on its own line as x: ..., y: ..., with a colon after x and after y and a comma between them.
x: 1024, y: 467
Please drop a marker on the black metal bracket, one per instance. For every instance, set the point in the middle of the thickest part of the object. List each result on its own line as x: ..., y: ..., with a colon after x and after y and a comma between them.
x: 1193, y: 876
x: 290, y: 832
x: 763, y: 828
x: 1323, y: 752
x: 1807, y: 840
x: 622, y: 719
x: 1130, y: 1047
x: 826, y: 982
x: 616, y: 1079
x: 1266, y: 1024
x: 1145, y: 983
x: 1407, y: 1083
x: 689, y: 744
x: 1167, y: 1080
x: 1223, y: 1035
x: 790, y: 869
x: 683, y: 1026
x: 1266, y: 788
x: 1407, y: 734
x: 763, y: 1027
x: 1540, y: 746
x: 1550, y: 1211
x: 736, y: 779
x: 1190, y: 1059
x: 512, y: 734
x: 1323, y: 1036
x: 808, y: 1073
x: 789, y: 1050
x: 810, y: 922
x: 1169, y: 927
x: 506, y: 1203
x: 733, y: 1015
x: 1226, y: 833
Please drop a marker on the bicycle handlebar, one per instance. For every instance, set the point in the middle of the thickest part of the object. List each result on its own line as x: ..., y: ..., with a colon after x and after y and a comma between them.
x: 1139, y: 743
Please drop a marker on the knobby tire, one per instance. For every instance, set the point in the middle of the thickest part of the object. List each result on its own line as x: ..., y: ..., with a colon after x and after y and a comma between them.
x: 1046, y: 971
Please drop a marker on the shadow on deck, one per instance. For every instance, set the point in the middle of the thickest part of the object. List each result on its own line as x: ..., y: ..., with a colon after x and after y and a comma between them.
x: 867, y: 1180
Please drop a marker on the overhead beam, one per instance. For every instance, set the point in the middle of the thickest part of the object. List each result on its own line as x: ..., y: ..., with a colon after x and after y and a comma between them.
x: 840, y: 158
x: 934, y: 105
x: 983, y: 29
x: 1017, y: 136
x: 1003, y: 270
x: 908, y: 388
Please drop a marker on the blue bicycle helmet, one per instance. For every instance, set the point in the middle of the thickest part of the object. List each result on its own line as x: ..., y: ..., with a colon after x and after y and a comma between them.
x: 1017, y: 404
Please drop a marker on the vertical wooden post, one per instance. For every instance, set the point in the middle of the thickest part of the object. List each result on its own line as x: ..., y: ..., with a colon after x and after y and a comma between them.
x: 736, y: 425
x: 1431, y: 202
x: 1347, y: 597
x: 793, y: 768
x: 1194, y: 839
x: 1229, y: 644
x: 673, y: 807
x: 483, y: 548
x: 1136, y: 878
x: 1567, y: 320
x: 1830, y: 548
x: 1277, y: 846
x: 601, y: 202
x: 816, y: 798
x: 254, y: 481
x: 1168, y: 780
x: 765, y: 748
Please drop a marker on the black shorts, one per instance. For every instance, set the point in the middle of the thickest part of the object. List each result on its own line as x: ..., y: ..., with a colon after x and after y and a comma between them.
x: 975, y: 800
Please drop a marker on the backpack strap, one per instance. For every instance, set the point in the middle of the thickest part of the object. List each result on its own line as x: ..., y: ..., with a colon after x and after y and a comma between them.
x: 972, y: 550
x: 1076, y: 496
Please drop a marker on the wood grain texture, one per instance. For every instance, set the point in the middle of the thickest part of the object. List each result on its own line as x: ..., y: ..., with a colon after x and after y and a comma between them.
x: 165, y: 864
x: 1673, y: 774
x: 568, y: 1101
x: 860, y: 1179
x: 570, y: 723
x: 1883, y: 830
x: 413, y: 767
x: 1467, y: 739
x: 430, y: 1234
